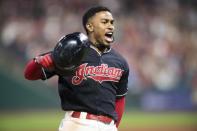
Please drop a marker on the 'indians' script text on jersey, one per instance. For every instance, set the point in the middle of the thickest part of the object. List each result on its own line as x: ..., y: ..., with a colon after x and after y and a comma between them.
x: 98, y: 73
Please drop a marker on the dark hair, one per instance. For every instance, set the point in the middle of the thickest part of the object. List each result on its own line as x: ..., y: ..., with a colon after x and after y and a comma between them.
x: 91, y: 12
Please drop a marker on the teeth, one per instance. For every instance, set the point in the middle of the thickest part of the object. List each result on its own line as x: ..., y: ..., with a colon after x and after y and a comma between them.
x: 110, y: 33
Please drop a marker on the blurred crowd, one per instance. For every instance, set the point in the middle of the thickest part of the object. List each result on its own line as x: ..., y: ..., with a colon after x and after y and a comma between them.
x: 158, y: 38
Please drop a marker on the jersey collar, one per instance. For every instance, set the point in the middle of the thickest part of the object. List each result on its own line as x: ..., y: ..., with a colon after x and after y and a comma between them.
x: 94, y: 48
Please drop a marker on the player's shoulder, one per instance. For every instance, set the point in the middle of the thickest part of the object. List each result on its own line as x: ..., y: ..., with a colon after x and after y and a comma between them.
x: 119, y: 57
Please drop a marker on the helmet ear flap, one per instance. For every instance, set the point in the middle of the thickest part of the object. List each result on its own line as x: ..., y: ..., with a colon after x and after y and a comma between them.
x: 69, y: 52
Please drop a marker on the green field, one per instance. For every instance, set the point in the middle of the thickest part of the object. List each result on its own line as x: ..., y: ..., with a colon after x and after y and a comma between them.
x: 49, y: 120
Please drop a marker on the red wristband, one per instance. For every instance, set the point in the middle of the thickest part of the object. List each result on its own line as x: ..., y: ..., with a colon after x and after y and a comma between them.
x: 45, y: 61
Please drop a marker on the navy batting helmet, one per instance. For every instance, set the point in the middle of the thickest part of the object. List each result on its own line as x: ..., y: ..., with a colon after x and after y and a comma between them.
x: 69, y: 52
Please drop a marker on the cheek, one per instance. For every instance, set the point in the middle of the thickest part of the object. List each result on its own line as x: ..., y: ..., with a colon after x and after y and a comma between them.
x: 99, y: 30
x: 98, y: 36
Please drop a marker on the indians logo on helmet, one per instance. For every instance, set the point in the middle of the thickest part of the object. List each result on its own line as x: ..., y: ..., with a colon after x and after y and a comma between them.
x: 98, y: 73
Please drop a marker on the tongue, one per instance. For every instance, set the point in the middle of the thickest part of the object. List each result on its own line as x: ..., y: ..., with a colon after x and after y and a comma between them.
x: 109, y: 39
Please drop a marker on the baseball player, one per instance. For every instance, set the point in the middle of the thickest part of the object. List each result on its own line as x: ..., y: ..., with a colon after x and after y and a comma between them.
x: 93, y: 77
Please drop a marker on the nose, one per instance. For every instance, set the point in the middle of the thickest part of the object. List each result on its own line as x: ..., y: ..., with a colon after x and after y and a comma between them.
x: 111, y: 27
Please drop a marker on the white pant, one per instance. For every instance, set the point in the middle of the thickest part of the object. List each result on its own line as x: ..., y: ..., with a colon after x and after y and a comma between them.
x: 82, y: 124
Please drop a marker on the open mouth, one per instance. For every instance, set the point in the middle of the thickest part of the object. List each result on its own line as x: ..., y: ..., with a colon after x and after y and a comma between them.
x: 109, y: 37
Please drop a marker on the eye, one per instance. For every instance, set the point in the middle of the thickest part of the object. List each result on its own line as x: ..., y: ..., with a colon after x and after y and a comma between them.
x: 104, y: 21
x: 112, y: 22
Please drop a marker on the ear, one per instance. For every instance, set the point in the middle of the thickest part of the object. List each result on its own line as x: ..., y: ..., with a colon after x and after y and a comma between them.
x: 89, y: 27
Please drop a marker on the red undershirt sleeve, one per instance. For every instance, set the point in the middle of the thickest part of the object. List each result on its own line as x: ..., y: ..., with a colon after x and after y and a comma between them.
x: 120, y: 106
x: 33, y: 71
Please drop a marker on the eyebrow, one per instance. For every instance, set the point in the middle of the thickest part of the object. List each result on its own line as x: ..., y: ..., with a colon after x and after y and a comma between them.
x: 107, y: 19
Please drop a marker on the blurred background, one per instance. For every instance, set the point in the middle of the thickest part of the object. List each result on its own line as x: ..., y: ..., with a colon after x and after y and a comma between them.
x: 158, y: 38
